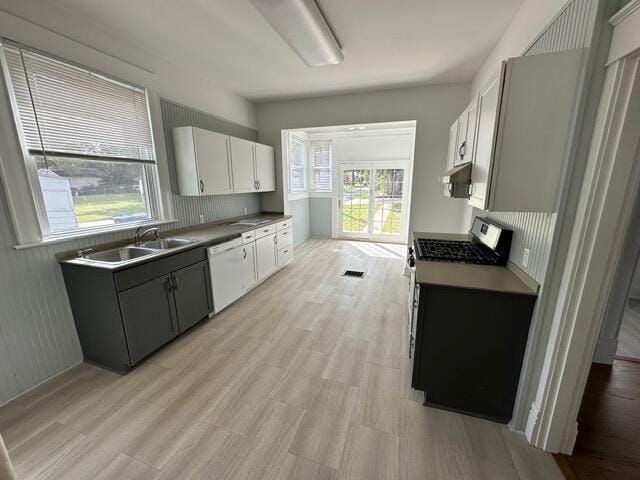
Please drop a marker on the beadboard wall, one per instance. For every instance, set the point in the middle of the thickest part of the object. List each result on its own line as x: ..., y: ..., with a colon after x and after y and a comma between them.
x: 570, y: 30
x: 37, y: 334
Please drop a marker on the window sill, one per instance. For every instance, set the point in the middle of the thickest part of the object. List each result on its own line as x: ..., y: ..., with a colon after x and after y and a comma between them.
x: 75, y: 236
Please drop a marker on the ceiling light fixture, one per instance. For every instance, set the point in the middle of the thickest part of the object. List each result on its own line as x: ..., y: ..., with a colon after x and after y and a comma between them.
x: 301, y: 24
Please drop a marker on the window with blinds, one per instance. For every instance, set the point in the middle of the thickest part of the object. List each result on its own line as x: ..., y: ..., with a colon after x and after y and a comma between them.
x: 89, y: 139
x: 321, y: 169
x: 298, y: 164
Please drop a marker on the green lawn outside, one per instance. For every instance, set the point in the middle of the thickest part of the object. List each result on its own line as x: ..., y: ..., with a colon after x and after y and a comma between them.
x: 94, y: 208
x: 354, y: 217
x: 392, y: 223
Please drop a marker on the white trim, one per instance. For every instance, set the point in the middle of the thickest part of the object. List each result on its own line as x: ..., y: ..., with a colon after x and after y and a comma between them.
x: 624, y: 12
x: 91, y: 233
x: 608, y: 193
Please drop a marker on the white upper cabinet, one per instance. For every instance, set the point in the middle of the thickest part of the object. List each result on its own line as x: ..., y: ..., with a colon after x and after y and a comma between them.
x: 210, y: 163
x: 481, y: 170
x: 524, y: 120
x: 202, y: 161
x: 265, y: 168
x: 242, y: 159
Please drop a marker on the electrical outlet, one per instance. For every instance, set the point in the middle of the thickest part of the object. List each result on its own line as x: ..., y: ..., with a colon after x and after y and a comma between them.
x: 244, y: 210
x: 201, y: 219
x: 525, y: 257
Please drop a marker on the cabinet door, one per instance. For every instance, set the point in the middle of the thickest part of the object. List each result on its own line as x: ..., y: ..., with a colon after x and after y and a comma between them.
x: 242, y: 161
x: 148, y: 315
x: 212, y: 158
x: 192, y: 293
x: 472, y: 126
x: 265, y: 168
x: 483, y: 154
x: 461, y: 143
x: 249, y: 265
x: 267, y: 256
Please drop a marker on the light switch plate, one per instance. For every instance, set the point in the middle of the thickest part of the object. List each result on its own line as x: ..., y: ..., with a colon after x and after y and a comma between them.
x: 525, y: 257
x: 201, y: 219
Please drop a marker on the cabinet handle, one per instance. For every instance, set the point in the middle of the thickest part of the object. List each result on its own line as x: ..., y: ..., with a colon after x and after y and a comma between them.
x: 244, y: 253
x: 462, y: 150
x: 285, y: 251
x: 201, y: 186
x: 174, y: 281
x: 275, y: 240
x: 168, y: 285
x: 255, y: 184
x: 258, y: 184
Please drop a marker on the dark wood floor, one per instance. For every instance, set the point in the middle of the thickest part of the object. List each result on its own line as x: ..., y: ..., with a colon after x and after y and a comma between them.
x: 608, y: 444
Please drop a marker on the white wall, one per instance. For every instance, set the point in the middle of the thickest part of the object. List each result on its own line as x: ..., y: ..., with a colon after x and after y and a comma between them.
x: 434, y: 108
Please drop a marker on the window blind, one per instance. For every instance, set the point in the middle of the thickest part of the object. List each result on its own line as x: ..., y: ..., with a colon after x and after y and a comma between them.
x: 68, y: 111
x: 321, y: 157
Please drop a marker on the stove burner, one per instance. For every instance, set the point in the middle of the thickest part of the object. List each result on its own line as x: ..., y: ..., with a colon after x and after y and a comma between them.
x: 457, y: 251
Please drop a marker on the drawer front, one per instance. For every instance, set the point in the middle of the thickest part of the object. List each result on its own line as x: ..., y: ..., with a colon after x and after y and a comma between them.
x: 285, y: 255
x: 248, y: 237
x: 284, y: 224
x: 143, y: 273
x: 264, y: 231
x: 285, y: 238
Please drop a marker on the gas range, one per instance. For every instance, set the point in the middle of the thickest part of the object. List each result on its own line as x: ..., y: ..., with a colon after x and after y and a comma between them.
x: 490, y: 244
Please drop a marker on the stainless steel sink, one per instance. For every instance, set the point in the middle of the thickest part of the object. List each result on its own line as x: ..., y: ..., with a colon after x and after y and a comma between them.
x: 122, y: 254
x: 167, y: 243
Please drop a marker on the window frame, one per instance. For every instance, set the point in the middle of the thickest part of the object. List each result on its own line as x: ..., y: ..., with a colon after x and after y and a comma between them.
x: 312, y: 166
x: 37, y: 231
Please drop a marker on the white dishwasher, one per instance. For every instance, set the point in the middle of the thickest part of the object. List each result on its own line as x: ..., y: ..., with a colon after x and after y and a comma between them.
x: 227, y: 273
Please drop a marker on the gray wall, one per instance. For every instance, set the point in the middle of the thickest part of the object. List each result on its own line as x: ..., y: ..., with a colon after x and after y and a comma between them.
x: 320, y: 216
x: 37, y: 333
x: 434, y: 107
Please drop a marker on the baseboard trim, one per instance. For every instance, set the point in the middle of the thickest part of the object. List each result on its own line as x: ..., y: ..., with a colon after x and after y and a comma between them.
x: 532, y: 420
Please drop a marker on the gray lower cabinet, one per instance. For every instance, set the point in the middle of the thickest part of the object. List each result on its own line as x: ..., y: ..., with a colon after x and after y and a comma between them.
x: 149, y: 316
x: 123, y: 316
x: 192, y: 301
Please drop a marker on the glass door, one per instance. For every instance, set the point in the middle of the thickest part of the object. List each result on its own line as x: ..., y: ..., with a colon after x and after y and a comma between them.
x: 372, y: 201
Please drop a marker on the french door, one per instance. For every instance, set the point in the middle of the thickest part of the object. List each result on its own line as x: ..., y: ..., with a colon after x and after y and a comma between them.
x: 372, y: 201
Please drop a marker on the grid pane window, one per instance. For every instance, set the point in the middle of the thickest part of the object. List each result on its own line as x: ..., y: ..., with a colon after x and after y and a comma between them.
x: 298, y: 167
x: 388, y: 201
x: 321, y: 157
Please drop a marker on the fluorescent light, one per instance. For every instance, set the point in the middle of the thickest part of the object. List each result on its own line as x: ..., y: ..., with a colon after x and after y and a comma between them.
x: 301, y: 24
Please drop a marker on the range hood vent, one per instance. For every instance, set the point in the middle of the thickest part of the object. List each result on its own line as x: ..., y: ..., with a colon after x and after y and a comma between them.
x: 457, y: 181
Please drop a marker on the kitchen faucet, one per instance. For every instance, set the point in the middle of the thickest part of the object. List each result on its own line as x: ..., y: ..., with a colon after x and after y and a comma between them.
x: 139, y: 236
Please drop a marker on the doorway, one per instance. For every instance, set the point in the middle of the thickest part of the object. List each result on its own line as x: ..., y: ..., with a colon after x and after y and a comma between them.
x: 373, y: 201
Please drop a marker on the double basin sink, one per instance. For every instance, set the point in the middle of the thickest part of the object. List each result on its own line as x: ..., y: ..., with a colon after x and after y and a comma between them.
x: 132, y: 252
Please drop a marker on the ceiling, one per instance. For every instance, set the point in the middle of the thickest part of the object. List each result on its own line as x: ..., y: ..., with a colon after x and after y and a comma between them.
x: 386, y: 43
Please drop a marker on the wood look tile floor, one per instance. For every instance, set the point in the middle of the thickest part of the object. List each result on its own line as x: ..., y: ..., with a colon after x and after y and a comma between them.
x: 306, y: 377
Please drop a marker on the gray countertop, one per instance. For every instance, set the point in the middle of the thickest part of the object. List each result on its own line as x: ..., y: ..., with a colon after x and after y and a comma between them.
x: 463, y: 275
x: 203, y: 235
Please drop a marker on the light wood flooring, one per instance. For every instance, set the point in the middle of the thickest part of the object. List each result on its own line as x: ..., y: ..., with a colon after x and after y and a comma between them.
x: 306, y: 377
x: 629, y: 338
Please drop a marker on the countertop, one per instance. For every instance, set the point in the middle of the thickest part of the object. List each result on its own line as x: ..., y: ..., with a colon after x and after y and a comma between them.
x: 204, y: 235
x: 463, y: 275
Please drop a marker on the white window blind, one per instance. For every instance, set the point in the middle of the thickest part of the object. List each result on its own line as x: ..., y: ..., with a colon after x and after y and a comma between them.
x: 321, y: 158
x: 68, y: 111
x: 298, y: 164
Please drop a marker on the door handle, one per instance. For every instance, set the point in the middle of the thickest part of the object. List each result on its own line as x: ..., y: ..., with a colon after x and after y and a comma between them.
x: 339, y: 203
x: 463, y: 149
x: 201, y: 186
